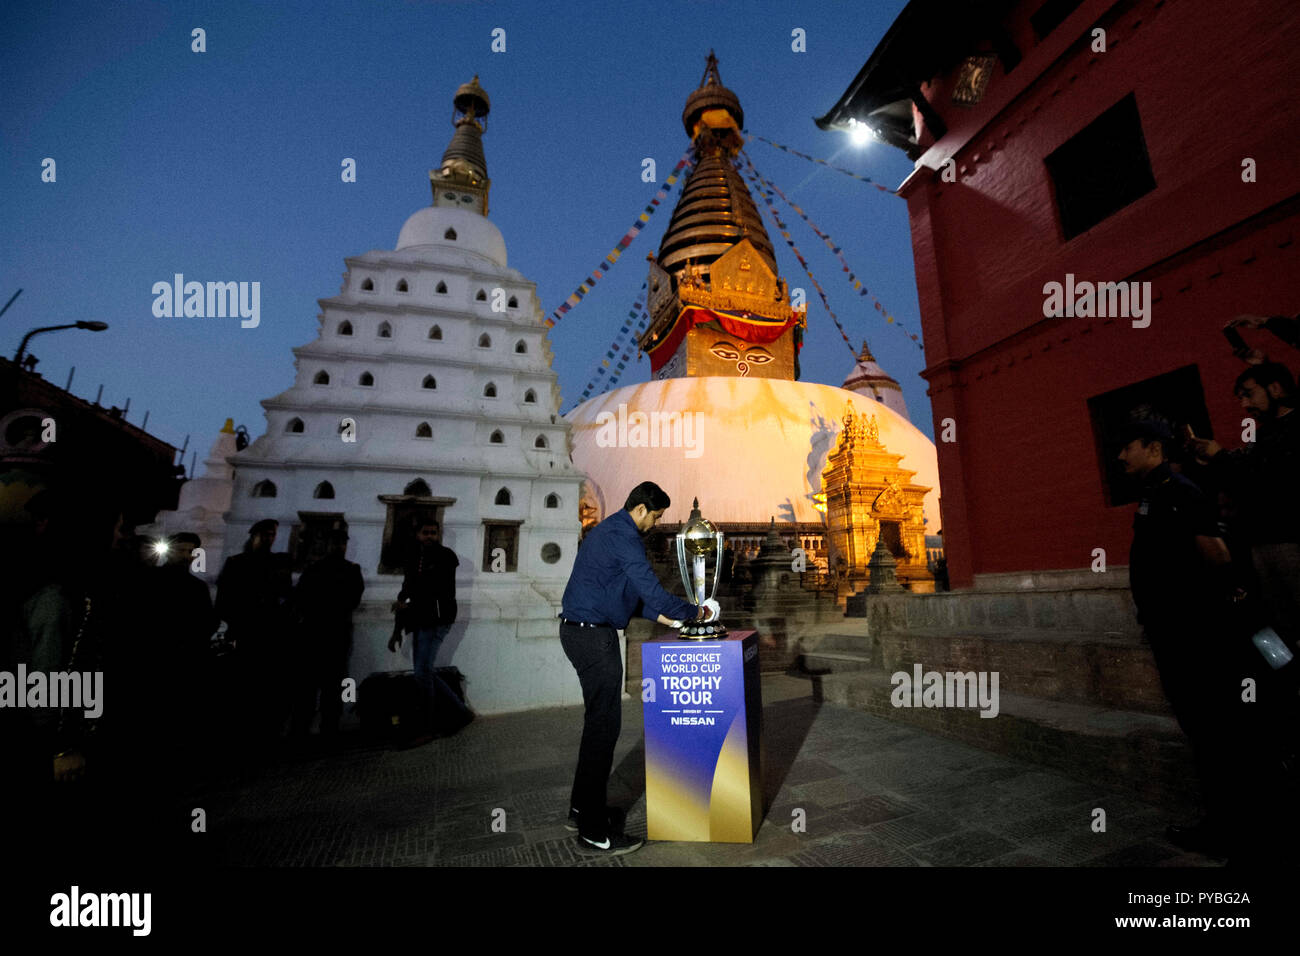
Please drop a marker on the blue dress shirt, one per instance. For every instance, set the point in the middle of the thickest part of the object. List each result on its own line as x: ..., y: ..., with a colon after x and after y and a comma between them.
x: 612, y: 575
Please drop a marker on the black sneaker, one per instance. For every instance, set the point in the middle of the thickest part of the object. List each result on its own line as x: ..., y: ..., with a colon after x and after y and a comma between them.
x: 614, y: 815
x: 612, y: 845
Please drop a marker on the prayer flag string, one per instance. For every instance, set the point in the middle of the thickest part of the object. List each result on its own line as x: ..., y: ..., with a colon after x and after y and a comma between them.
x: 768, y: 188
x: 618, y: 250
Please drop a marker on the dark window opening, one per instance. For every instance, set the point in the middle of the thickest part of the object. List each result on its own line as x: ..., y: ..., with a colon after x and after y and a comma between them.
x: 1101, y: 169
x: 504, y: 536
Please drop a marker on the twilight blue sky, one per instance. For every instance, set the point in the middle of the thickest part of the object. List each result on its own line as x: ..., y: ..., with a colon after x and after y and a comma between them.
x: 225, y: 166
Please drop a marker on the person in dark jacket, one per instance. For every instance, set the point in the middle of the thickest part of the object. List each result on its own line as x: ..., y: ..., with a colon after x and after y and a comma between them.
x: 253, y: 591
x: 426, y: 609
x: 1181, y: 577
x: 327, y: 593
x: 611, y: 580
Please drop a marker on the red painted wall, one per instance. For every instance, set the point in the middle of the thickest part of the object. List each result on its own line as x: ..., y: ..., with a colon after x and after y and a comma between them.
x: 1214, y: 84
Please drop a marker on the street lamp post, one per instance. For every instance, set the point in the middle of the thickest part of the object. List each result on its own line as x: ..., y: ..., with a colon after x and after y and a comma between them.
x: 89, y: 326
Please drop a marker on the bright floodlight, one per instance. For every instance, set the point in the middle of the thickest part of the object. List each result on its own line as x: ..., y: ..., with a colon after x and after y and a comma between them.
x: 160, y: 548
x: 860, y: 133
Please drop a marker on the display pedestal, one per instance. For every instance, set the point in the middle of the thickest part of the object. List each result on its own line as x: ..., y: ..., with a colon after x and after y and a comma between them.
x: 703, y: 738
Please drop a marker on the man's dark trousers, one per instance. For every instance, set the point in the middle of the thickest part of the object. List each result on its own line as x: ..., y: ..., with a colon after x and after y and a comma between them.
x: 594, y: 654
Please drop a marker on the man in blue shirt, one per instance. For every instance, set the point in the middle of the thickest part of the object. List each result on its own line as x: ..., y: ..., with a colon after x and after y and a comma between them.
x: 611, y: 580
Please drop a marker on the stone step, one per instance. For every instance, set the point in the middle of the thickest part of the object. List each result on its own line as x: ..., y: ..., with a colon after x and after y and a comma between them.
x: 1145, y: 754
x: 837, y: 661
x: 1071, y: 666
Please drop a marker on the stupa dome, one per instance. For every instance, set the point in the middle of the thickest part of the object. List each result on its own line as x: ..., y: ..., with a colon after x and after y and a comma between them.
x: 431, y: 226
x: 759, y: 446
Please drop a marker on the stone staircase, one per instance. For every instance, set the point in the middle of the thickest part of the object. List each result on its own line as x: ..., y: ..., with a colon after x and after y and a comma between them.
x: 1080, y: 702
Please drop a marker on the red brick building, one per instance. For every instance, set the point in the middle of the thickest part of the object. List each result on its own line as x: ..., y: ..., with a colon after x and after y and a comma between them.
x: 1140, y: 141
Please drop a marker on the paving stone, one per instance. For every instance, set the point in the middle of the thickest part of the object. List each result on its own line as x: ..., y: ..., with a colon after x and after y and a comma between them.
x: 962, y: 849
x: 874, y: 793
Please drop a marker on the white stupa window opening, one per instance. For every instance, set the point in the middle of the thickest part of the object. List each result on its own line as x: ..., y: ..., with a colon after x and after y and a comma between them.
x: 429, y: 382
x: 423, y: 430
x: 322, y: 378
x: 530, y: 397
x: 323, y: 490
x: 263, y: 489
x: 442, y: 288
x: 503, y: 535
x: 497, y: 438
x: 552, y: 500
x: 480, y: 296
x: 513, y: 303
x: 435, y: 333
x: 551, y: 552
x: 295, y: 426
x: 366, y: 380
x: 345, y: 328
x: 385, y: 330
x: 402, y: 286
x: 450, y: 233
x: 485, y: 341
x: 367, y: 285
x: 521, y: 347
x: 503, y: 497
x: 489, y: 390
x: 540, y: 442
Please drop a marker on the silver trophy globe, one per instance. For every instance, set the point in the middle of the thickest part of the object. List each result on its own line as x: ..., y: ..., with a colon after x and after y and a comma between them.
x: 694, y: 542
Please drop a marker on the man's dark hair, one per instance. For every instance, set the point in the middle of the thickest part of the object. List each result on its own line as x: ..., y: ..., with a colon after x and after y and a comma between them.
x: 1147, y: 426
x: 427, y: 523
x: 1266, y: 374
x: 265, y: 526
x: 649, y: 494
x: 187, y: 537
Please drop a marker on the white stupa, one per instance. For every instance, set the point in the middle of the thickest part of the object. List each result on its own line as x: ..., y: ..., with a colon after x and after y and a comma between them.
x: 429, y: 391
x: 872, y: 381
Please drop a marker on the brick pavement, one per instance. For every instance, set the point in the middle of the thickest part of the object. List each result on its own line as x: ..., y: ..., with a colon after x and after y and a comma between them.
x: 873, y: 792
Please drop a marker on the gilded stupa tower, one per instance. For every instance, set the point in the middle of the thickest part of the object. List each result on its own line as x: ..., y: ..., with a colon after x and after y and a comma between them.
x: 717, y: 306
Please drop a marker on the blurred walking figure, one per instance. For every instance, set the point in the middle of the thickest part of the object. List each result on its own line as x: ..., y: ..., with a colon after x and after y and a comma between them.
x: 426, y: 608
x: 252, y: 593
x: 1263, y: 479
x: 1181, y: 577
x: 327, y: 593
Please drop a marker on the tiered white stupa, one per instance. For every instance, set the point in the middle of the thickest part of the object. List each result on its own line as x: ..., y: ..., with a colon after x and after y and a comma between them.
x: 429, y: 391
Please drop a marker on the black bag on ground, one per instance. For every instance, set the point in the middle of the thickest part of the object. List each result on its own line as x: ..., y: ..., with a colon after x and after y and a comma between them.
x: 390, y: 705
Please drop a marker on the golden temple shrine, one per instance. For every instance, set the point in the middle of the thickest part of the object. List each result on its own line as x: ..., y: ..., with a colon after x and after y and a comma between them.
x: 869, y: 497
x: 717, y: 305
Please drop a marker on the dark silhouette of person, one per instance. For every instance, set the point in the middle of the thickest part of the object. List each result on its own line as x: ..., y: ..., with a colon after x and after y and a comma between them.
x: 426, y: 608
x: 252, y: 592
x: 1181, y: 580
x: 327, y: 593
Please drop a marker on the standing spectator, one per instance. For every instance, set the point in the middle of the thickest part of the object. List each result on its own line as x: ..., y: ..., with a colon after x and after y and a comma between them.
x: 1263, y: 480
x: 327, y: 593
x: 1179, y: 571
x: 426, y: 606
x: 252, y: 591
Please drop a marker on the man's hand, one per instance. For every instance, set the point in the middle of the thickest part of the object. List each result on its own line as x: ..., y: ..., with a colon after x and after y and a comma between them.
x: 1203, y: 448
x: 69, y: 767
x: 395, y: 641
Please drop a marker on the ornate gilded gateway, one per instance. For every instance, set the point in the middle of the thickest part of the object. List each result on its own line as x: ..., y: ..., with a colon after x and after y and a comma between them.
x: 717, y: 306
x: 869, y: 497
